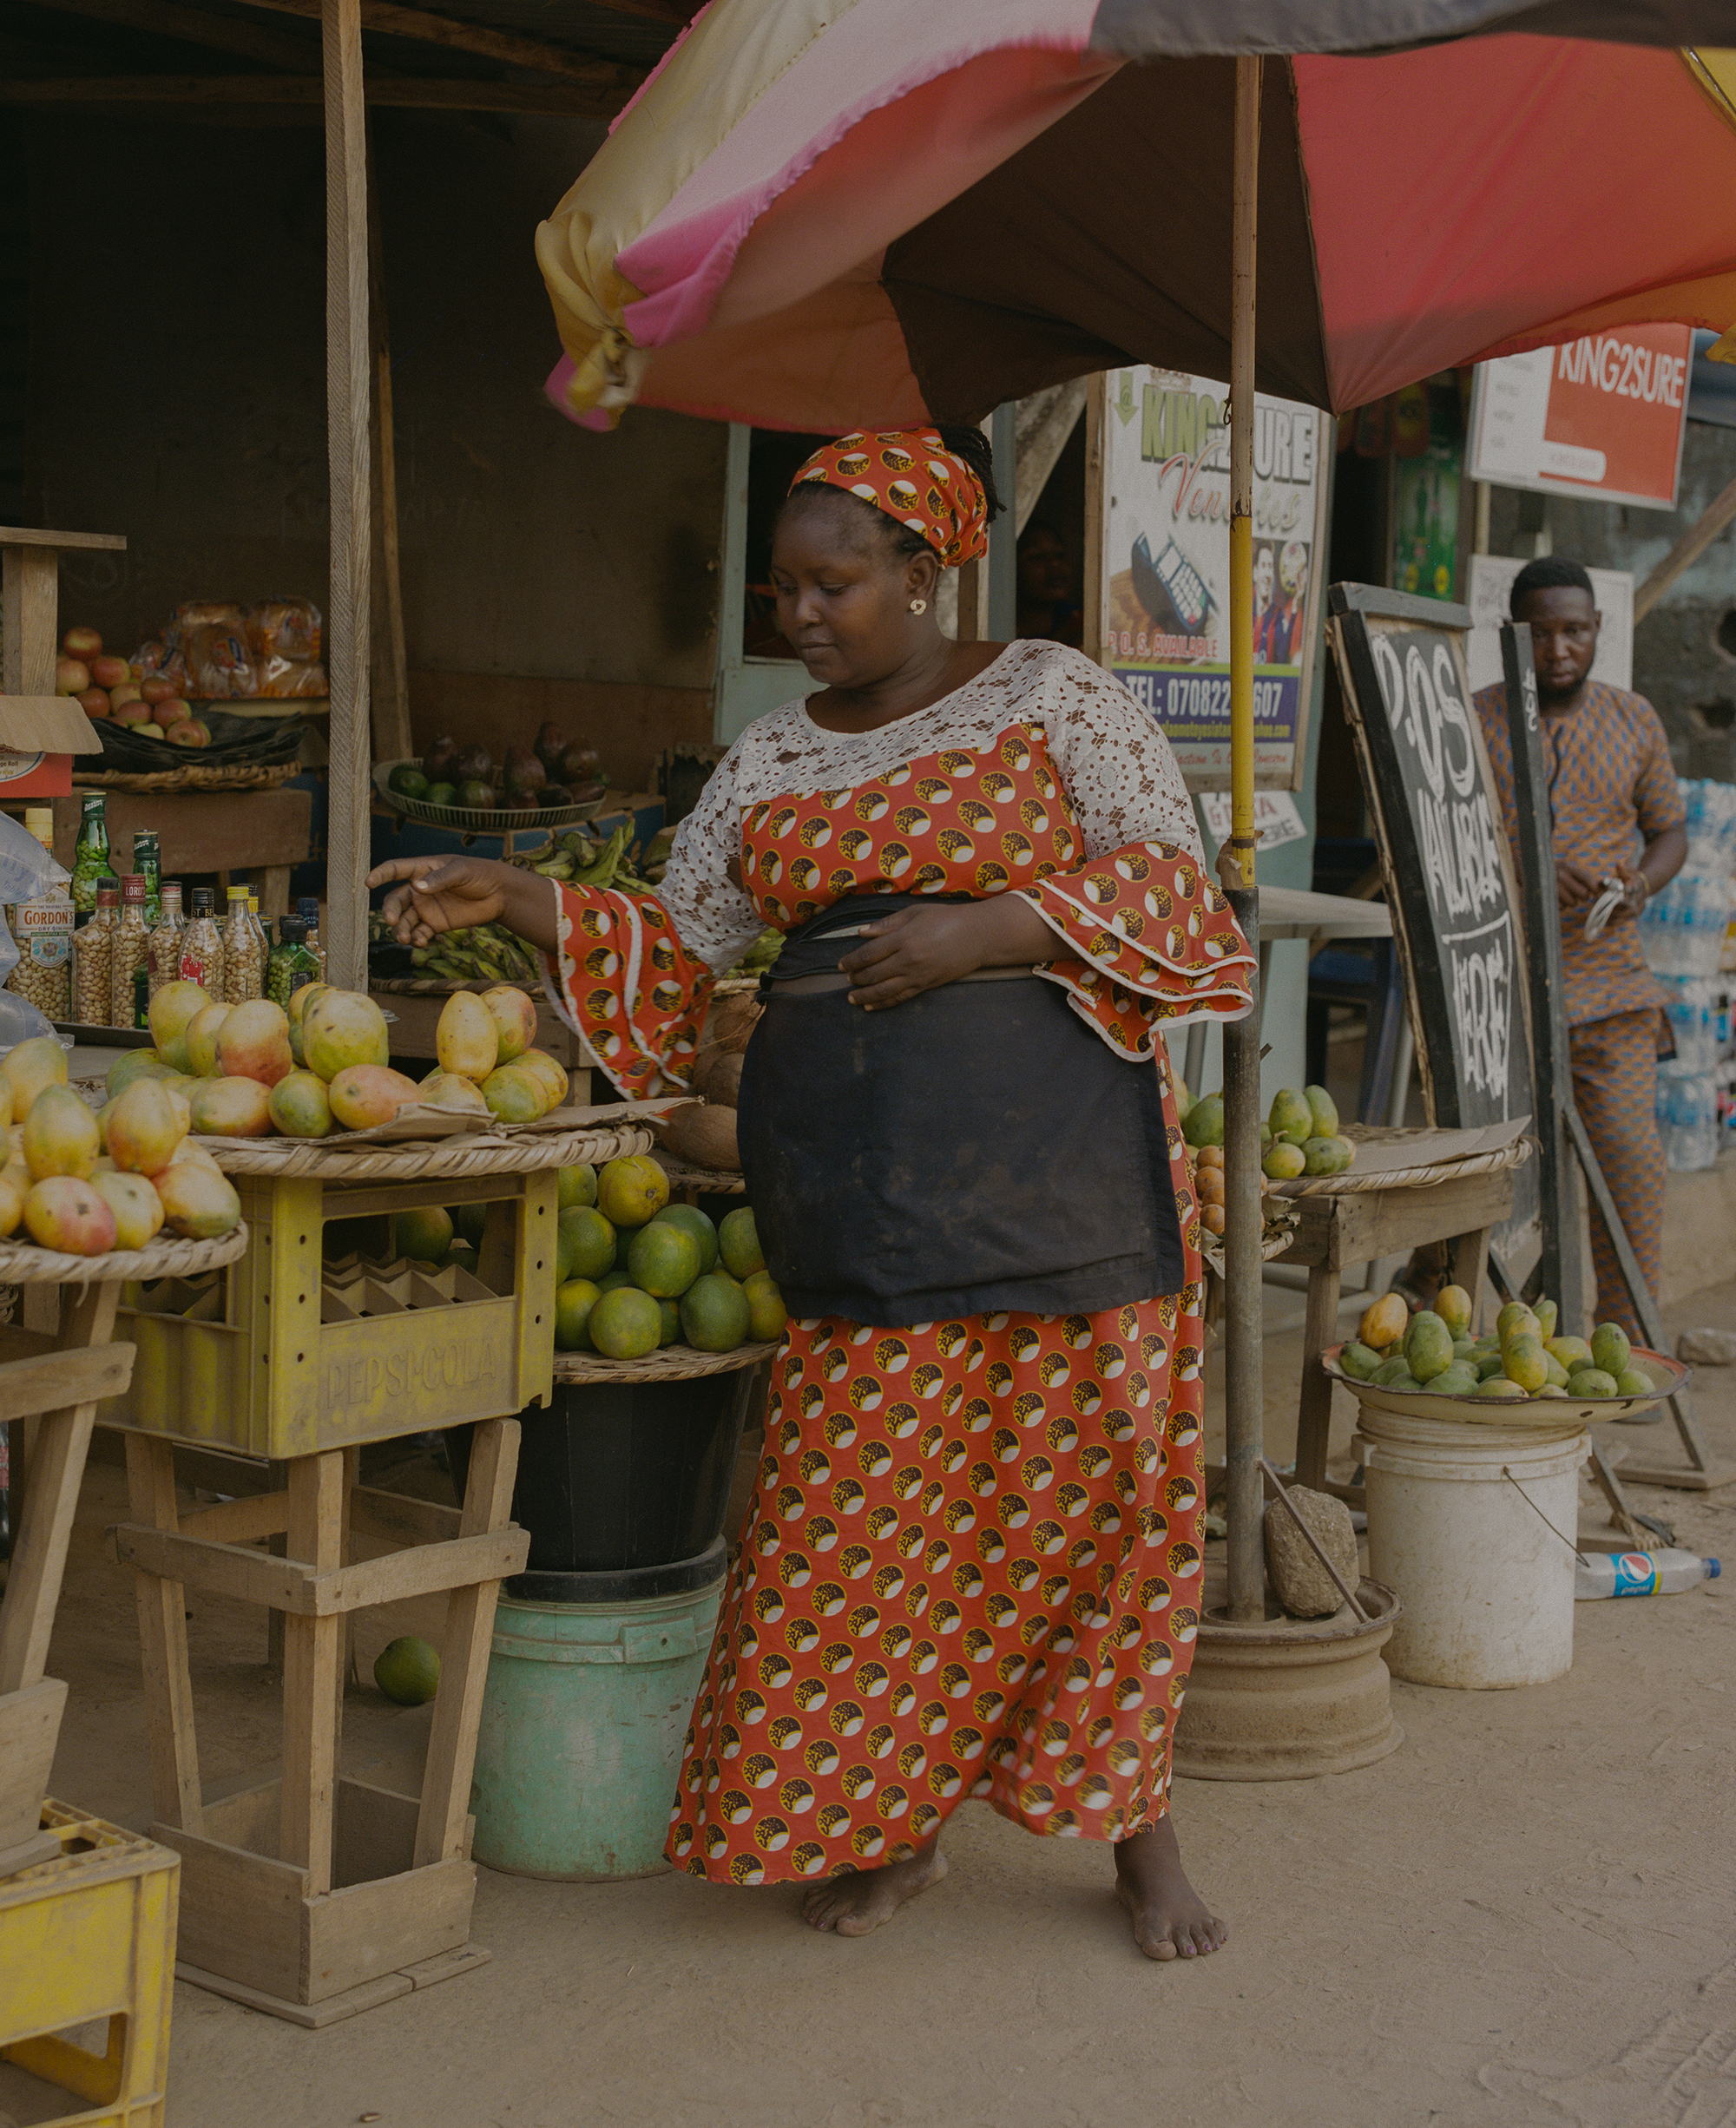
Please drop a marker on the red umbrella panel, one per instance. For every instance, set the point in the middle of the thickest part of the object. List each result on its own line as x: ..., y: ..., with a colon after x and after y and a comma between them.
x: 819, y: 217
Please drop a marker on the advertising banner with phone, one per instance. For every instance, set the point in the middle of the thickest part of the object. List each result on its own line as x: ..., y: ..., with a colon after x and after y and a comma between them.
x: 1600, y: 415
x: 1165, y: 565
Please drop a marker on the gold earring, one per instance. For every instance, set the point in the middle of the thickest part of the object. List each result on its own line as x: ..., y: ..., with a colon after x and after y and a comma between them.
x: 919, y: 606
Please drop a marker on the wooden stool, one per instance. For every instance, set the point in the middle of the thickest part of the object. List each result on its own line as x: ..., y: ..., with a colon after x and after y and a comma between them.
x: 311, y: 1895
x: 1357, y: 1227
x: 53, y: 1381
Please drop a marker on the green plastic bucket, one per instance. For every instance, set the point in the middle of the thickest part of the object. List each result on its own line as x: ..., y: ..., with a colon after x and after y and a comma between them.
x: 591, y: 1684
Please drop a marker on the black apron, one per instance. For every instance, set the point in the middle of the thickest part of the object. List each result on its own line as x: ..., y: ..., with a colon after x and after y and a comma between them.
x: 977, y: 1148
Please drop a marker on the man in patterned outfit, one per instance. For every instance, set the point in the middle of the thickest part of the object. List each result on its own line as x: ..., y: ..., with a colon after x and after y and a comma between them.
x: 1615, y: 814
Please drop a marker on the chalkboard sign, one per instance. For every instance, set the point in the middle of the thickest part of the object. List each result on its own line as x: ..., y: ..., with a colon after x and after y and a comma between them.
x: 1448, y: 868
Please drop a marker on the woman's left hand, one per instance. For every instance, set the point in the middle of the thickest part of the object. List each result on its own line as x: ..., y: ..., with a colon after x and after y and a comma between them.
x: 918, y: 949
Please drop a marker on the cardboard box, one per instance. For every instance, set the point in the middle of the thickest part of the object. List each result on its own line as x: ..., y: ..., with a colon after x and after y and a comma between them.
x: 39, y: 735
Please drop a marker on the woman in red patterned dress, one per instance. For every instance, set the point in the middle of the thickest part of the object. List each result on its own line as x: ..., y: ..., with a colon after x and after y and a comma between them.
x: 972, y: 1566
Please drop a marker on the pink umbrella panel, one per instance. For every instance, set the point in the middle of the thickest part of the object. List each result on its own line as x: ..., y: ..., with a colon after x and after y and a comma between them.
x: 888, y: 211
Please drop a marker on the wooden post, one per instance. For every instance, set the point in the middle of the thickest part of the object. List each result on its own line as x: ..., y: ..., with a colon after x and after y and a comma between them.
x: 348, y: 452
x: 1095, y: 395
x: 1244, y: 1391
x: 312, y: 1672
x: 176, y: 1795
x: 391, y: 736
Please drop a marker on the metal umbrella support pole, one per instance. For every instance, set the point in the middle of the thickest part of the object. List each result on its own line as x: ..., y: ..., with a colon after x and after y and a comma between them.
x: 1243, y: 1398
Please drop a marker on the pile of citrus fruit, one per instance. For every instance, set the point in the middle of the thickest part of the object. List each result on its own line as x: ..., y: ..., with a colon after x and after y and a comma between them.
x: 1434, y: 1353
x: 86, y: 1184
x: 634, y: 1271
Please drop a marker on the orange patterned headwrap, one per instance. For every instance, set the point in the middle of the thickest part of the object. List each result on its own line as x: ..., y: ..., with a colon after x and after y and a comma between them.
x: 910, y: 475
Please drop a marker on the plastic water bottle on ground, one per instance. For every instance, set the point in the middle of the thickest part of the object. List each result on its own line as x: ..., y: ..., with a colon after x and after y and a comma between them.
x: 1665, y: 1572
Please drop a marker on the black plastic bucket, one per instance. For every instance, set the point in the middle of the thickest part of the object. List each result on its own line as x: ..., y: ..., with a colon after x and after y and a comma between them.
x: 618, y: 1475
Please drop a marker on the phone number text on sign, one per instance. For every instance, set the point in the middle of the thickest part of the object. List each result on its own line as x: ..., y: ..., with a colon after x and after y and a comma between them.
x: 1193, y: 710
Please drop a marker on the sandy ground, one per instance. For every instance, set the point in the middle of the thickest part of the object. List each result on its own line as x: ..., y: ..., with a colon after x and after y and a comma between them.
x: 1522, y: 1916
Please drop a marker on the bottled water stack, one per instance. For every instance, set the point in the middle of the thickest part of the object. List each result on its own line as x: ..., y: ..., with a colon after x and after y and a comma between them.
x: 1683, y: 934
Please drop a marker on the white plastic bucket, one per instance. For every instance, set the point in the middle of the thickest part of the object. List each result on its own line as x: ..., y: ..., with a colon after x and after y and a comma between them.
x: 1473, y: 1527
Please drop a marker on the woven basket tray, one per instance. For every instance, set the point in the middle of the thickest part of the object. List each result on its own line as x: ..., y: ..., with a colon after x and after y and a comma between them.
x: 720, y: 1181
x: 23, y: 1264
x: 483, y: 1152
x: 1351, y: 1184
x: 242, y: 776
x: 673, y: 1363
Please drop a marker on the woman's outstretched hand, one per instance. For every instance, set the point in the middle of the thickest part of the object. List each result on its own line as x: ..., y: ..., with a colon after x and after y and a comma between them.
x: 918, y: 949
x: 451, y: 893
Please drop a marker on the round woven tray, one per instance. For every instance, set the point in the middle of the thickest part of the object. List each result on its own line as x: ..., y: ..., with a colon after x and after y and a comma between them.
x: 720, y: 1181
x: 411, y: 1158
x: 239, y: 776
x: 673, y: 1363
x: 23, y: 1264
x: 1351, y: 1184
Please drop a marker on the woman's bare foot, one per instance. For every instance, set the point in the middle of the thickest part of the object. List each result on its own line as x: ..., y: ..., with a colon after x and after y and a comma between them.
x: 1170, y: 1919
x: 855, y: 1904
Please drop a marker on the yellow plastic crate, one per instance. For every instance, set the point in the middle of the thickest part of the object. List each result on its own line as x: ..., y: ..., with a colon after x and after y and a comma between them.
x: 284, y: 1354
x: 90, y: 1934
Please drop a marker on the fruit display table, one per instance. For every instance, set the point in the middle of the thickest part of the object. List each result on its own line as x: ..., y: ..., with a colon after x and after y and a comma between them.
x: 309, y: 1895
x: 53, y: 1379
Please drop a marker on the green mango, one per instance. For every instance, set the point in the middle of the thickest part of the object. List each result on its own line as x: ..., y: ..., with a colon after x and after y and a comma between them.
x: 1292, y: 1117
x: 1204, y: 1123
x: 1394, y: 1374
x: 1359, y: 1362
x: 1610, y: 1348
x: 1428, y: 1346
x: 1324, y: 1109
x: 1593, y: 1382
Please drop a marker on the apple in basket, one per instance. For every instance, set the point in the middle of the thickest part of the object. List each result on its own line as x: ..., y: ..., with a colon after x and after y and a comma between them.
x: 70, y: 676
x: 109, y: 671
x: 131, y: 712
x: 84, y: 644
x: 94, y: 702
x: 189, y: 731
x: 170, y: 709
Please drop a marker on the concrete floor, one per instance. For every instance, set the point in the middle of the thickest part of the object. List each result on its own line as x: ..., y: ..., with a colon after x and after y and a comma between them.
x: 1523, y: 1916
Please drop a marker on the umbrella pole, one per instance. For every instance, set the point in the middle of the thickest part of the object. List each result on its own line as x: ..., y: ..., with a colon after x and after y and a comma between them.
x: 1243, y: 1397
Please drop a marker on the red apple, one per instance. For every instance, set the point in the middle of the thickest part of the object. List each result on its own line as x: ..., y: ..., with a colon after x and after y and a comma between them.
x: 189, y: 732
x: 131, y: 711
x: 84, y: 644
x: 70, y: 677
x: 172, y: 710
x: 94, y: 702
x: 109, y: 671
x: 127, y: 691
x: 156, y: 689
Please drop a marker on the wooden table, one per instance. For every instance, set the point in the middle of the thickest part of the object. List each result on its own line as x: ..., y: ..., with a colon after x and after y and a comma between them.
x: 1358, y: 1227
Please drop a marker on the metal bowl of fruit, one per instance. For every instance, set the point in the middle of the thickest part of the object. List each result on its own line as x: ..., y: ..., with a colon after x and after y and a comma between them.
x: 453, y: 786
x: 1428, y: 1365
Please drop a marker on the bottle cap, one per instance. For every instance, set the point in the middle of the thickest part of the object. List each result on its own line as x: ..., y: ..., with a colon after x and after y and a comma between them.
x: 108, y: 895
x: 134, y: 887
x: 39, y: 820
x: 202, y: 901
x: 292, y: 931
x: 172, y: 886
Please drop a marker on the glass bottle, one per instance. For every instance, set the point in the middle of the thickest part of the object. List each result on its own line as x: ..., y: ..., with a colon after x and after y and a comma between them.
x: 293, y: 962
x: 244, y: 973
x: 42, y: 931
x: 90, y: 855
x: 262, y: 928
x: 147, y: 862
x: 131, y: 948
x: 165, y: 942
x: 93, y: 955
x: 308, y: 909
x: 202, y: 948
x: 141, y: 994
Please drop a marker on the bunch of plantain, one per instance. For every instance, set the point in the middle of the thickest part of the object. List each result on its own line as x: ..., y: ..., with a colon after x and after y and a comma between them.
x: 486, y: 953
x: 579, y: 860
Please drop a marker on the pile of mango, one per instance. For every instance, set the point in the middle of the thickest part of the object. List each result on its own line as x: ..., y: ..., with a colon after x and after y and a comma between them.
x: 634, y: 1272
x: 1433, y: 1353
x: 1299, y: 1137
x: 323, y: 1067
x: 85, y: 1184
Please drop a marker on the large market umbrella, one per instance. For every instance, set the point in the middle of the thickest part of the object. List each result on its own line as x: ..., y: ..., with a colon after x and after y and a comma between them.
x: 827, y: 214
